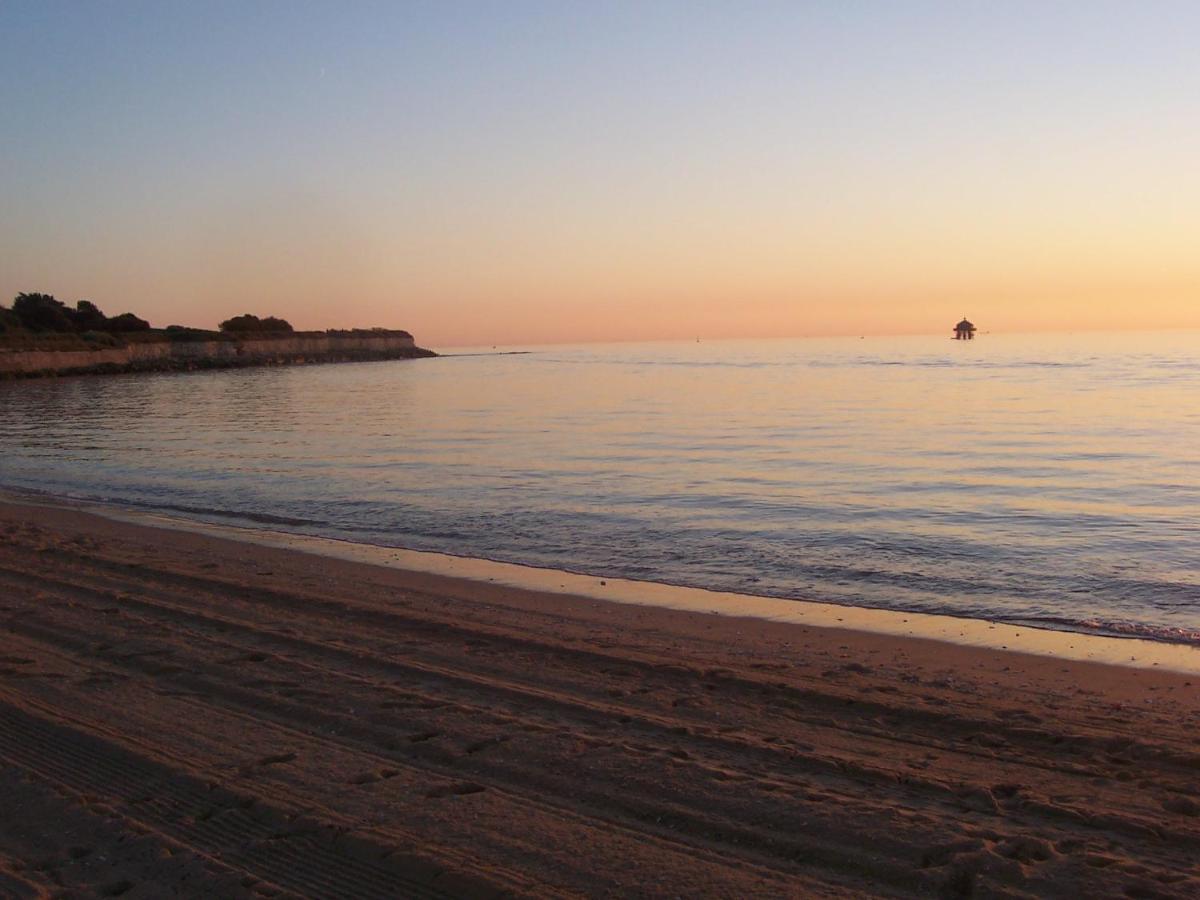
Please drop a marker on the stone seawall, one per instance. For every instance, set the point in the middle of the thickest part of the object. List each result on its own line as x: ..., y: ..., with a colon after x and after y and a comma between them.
x: 178, y: 356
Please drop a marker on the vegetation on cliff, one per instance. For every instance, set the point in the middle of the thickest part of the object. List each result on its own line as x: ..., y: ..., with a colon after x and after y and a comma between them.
x: 40, y: 335
x: 248, y: 324
x: 42, y: 313
x: 39, y: 321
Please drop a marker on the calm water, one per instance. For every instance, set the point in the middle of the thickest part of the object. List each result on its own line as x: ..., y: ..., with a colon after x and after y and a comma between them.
x: 1050, y: 479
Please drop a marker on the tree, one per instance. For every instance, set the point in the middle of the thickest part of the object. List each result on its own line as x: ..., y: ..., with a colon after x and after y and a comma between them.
x: 126, y: 322
x: 8, y: 320
x: 247, y: 323
x: 87, y: 317
x: 41, y: 312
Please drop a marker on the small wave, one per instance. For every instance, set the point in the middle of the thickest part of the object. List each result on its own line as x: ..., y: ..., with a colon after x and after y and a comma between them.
x: 950, y: 363
x: 1117, y: 628
x: 259, y: 517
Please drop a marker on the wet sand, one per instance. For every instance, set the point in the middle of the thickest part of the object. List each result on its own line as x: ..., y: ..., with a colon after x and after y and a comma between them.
x: 183, y: 714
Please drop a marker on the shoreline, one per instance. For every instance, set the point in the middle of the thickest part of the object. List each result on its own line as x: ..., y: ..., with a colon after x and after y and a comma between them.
x: 192, y: 350
x: 183, y: 712
x: 1117, y: 650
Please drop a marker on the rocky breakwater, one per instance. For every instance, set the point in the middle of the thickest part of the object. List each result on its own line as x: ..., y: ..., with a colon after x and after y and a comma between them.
x: 188, y: 351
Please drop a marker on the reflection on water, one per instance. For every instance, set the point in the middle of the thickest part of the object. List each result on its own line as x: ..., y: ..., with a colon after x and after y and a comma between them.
x: 1049, y: 479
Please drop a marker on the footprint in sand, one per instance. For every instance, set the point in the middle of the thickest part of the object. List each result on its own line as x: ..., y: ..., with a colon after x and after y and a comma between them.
x: 477, y: 746
x: 275, y: 759
x: 1183, y: 806
x: 1026, y: 849
x: 1006, y: 791
x: 980, y: 800
x: 457, y: 790
x: 373, y: 777
x: 936, y: 857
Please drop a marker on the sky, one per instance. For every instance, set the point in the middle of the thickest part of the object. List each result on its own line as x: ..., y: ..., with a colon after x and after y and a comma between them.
x: 525, y: 172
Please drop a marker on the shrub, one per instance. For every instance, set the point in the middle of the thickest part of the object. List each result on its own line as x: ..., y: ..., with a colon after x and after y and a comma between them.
x: 126, y: 322
x: 182, y: 334
x: 250, y: 324
x: 87, y: 316
x: 8, y: 321
x: 41, y: 312
x: 100, y: 339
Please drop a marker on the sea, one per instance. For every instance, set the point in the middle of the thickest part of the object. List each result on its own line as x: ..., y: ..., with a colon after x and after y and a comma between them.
x: 1048, y: 480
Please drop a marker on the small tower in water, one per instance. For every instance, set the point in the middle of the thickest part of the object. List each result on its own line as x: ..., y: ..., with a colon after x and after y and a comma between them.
x: 964, y: 331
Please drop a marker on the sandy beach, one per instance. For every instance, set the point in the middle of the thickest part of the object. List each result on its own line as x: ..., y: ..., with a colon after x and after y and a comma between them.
x: 182, y: 714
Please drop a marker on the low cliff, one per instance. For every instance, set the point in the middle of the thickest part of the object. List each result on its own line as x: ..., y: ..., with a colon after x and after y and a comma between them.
x: 171, y: 355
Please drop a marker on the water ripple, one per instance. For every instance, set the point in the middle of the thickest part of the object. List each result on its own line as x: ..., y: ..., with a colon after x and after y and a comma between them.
x: 1048, y: 481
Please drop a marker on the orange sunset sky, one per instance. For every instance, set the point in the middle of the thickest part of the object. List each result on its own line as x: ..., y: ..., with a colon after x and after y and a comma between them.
x: 546, y: 172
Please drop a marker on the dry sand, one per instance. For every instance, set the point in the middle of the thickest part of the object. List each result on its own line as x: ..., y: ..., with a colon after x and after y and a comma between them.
x: 186, y: 715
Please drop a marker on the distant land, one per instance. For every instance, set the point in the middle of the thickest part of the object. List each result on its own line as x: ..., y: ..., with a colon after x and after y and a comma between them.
x: 40, y: 335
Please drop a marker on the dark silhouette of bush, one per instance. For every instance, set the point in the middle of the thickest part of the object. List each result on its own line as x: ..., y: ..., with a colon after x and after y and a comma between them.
x: 8, y: 320
x: 182, y: 334
x: 99, y: 339
x: 367, y: 332
x: 87, y: 316
x: 125, y: 323
x: 41, y: 312
x: 248, y: 324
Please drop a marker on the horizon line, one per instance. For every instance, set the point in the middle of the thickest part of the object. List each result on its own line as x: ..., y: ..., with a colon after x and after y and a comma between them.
x: 838, y: 336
